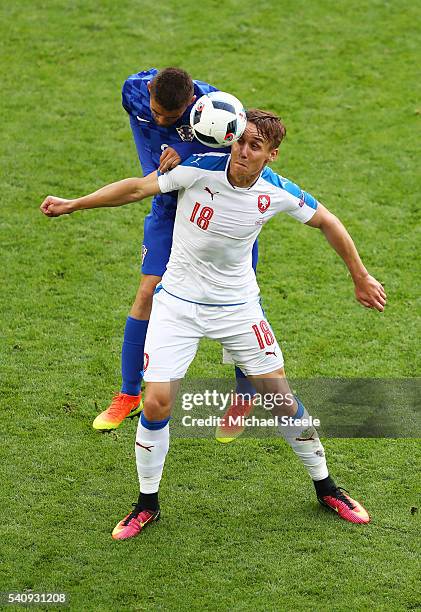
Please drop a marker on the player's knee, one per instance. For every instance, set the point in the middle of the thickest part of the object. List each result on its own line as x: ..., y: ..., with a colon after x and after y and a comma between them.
x: 156, y: 407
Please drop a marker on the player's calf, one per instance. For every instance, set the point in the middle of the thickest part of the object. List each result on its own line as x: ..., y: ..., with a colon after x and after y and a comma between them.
x: 151, y: 448
x: 304, y: 441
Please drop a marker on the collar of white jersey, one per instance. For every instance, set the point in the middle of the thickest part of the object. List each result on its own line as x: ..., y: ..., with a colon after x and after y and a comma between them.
x: 240, y: 188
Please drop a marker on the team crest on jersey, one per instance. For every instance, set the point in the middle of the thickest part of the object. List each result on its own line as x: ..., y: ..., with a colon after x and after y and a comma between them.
x: 263, y: 203
x: 185, y: 132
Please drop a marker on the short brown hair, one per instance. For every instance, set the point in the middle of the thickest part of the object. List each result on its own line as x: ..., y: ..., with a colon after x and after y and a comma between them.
x: 172, y: 88
x: 269, y: 126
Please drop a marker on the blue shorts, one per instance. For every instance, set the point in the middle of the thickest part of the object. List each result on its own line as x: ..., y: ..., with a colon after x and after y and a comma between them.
x: 157, y: 241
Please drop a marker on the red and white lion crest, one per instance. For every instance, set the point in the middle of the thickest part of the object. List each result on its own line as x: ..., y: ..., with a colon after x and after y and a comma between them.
x: 263, y: 203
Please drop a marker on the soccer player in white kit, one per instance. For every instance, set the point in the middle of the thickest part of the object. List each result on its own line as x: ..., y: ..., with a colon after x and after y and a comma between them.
x: 209, y: 289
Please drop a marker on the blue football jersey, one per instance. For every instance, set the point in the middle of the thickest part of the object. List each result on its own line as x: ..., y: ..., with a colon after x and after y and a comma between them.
x: 152, y: 139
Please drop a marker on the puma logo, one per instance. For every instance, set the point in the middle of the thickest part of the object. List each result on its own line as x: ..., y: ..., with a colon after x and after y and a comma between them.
x: 210, y: 192
x: 148, y: 448
x: 271, y: 353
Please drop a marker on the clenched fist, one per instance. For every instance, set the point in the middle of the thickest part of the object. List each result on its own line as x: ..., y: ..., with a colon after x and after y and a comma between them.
x: 54, y: 207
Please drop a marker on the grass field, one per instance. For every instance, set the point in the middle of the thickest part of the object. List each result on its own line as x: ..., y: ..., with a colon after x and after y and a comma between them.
x: 241, y: 529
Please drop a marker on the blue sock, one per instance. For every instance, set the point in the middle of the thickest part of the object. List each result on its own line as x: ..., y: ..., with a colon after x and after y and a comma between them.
x: 300, y: 409
x: 132, y: 355
x: 244, y: 386
x: 153, y: 425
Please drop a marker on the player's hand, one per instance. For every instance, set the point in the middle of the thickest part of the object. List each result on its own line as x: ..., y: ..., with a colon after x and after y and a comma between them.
x: 370, y: 293
x: 169, y: 159
x: 54, y: 207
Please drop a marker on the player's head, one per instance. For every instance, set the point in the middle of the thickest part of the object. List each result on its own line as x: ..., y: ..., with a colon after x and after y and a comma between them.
x: 258, y: 145
x: 269, y: 126
x: 171, y: 93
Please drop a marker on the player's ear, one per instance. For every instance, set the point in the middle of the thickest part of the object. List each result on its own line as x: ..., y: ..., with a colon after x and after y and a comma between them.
x: 273, y: 155
x: 148, y: 85
x: 194, y: 98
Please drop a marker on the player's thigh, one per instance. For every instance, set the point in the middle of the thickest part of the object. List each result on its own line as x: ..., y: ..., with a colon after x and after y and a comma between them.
x: 250, y: 340
x: 172, y: 339
x: 157, y: 243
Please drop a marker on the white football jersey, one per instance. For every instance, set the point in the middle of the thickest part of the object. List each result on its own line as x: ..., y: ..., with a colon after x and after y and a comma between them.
x: 216, y: 225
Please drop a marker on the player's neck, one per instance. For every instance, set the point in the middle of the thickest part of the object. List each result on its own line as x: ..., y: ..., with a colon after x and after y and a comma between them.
x: 242, y: 180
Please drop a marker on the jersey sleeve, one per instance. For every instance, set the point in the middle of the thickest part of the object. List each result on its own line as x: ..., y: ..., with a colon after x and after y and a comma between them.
x: 135, y: 94
x: 127, y: 94
x: 180, y: 177
x: 302, y: 206
x: 292, y: 199
x: 143, y: 152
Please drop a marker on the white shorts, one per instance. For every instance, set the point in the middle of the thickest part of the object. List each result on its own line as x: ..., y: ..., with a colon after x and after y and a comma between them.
x: 176, y: 327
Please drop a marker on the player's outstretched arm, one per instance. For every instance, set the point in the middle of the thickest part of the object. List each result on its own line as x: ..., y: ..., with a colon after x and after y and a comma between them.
x: 368, y: 291
x: 115, y: 194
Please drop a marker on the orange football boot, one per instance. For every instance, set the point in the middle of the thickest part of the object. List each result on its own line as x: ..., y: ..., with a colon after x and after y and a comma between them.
x: 231, y: 425
x: 121, y: 407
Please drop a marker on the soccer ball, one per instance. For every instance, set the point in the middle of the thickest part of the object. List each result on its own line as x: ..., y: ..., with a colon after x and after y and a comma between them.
x: 218, y: 119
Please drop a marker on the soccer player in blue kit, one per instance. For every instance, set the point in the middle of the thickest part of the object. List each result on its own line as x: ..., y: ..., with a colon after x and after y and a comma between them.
x: 158, y: 104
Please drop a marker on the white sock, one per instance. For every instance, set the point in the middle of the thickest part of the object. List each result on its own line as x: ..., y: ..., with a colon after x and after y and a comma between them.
x: 306, y: 444
x: 151, y: 449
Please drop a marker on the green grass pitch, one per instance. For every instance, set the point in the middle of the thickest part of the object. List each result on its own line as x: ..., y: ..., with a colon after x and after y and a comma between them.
x: 241, y: 529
